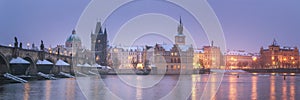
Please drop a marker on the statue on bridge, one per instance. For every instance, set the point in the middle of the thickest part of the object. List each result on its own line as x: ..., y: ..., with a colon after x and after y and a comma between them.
x: 42, y: 45
x: 16, y: 42
x: 58, y: 51
x: 21, y: 45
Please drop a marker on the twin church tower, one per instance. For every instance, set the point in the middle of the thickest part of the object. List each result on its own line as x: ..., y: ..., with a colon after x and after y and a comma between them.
x: 99, y: 42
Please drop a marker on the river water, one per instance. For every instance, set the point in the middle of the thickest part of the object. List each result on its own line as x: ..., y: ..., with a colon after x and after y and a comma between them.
x: 130, y: 87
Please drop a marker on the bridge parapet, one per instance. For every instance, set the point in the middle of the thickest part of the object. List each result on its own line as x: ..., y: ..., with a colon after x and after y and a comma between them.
x: 7, y: 53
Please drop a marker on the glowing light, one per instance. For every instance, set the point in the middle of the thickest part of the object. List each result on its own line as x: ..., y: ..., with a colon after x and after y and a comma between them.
x: 273, y: 58
x: 292, y: 74
x: 254, y: 58
x: 139, y: 66
x: 273, y: 73
x: 97, y: 58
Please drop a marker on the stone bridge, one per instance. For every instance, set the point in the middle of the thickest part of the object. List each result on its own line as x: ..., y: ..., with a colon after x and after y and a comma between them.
x: 32, y: 56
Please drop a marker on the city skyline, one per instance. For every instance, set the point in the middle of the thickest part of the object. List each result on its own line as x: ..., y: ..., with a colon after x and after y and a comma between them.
x: 247, y: 25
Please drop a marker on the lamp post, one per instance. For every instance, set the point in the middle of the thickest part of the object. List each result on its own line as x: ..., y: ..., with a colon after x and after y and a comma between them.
x: 28, y: 44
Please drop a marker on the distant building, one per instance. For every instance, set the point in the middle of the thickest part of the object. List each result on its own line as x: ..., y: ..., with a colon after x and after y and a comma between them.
x: 198, y: 59
x: 174, y: 57
x: 73, y: 41
x: 239, y: 59
x: 124, y: 57
x: 279, y: 57
x: 208, y: 57
x: 99, y: 44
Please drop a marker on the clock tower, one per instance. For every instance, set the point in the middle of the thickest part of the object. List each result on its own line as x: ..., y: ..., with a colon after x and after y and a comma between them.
x: 180, y: 37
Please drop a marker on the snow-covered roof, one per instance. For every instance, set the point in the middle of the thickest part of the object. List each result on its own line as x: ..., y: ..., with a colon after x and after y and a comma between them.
x: 18, y: 60
x: 184, y: 47
x: 180, y: 35
x: 132, y: 48
x: 287, y: 48
x: 79, y: 65
x: 61, y: 63
x: 108, y: 67
x: 96, y: 65
x: 167, y: 47
x: 198, y: 51
x: 44, y: 62
x: 238, y: 52
x: 86, y: 65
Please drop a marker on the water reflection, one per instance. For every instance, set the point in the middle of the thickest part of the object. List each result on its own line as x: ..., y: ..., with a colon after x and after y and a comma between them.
x: 232, y: 88
x: 139, y: 90
x: 272, y: 88
x: 70, y: 89
x: 292, y: 88
x: 195, y: 79
x: 254, y: 88
x: 48, y: 90
x: 26, y: 91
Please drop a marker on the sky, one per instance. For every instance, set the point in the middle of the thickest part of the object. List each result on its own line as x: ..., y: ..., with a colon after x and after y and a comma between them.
x: 247, y: 24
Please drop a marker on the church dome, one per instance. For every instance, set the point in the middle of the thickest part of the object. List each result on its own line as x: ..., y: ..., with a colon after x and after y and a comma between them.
x: 73, y: 40
x: 73, y: 37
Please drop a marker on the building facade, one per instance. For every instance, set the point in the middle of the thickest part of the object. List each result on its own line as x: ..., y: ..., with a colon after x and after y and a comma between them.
x: 239, y: 59
x: 124, y: 57
x: 279, y: 57
x: 213, y: 57
x: 173, y: 57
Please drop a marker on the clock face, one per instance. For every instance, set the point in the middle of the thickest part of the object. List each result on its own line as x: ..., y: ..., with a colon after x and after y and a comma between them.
x: 180, y: 39
x: 99, y: 41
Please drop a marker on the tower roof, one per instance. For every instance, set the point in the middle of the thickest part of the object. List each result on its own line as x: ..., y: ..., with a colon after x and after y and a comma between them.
x: 98, y: 28
x: 73, y: 37
x: 180, y: 28
x: 274, y: 43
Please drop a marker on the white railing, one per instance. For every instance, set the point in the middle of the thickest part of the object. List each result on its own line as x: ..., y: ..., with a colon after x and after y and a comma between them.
x: 15, y: 78
x: 93, y: 73
x: 66, y: 75
x: 79, y: 73
x: 46, y: 76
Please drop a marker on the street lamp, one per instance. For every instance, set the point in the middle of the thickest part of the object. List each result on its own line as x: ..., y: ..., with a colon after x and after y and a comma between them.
x: 28, y: 44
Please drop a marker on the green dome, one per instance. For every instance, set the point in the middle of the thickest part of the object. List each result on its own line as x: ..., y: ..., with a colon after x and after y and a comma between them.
x: 73, y: 37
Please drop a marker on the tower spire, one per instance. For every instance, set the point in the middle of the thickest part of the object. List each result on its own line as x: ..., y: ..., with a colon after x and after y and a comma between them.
x: 180, y: 27
x: 73, y: 31
x: 274, y: 42
x: 180, y: 20
x: 98, y: 27
x: 105, y: 33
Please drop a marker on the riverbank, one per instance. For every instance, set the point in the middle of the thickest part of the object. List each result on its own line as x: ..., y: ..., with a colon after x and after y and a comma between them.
x: 272, y: 70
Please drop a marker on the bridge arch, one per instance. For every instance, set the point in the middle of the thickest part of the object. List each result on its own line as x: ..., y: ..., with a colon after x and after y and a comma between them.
x: 4, y: 64
x: 32, y: 68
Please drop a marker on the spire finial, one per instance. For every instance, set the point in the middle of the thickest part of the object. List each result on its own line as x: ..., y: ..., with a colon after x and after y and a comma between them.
x: 73, y: 31
x: 180, y: 20
x: 105, y: 31
x: 98, y: 27
x: 274, y: 42
x: 180, y: 27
